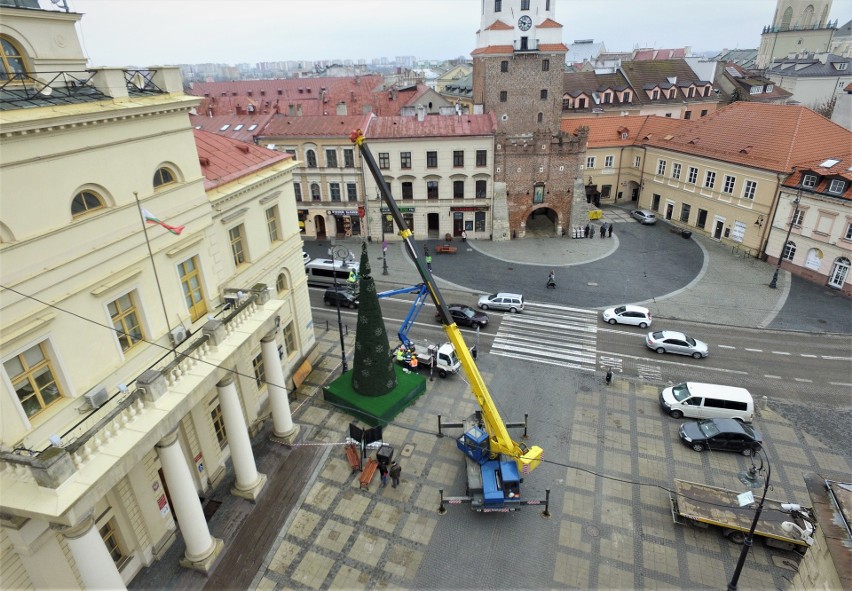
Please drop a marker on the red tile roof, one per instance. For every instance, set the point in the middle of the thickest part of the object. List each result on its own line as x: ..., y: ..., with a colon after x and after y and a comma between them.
x: 498, y: 25
x: 549, y: 23
x: 552, y: 47
x: 493, y: 49
x: 330, y: 126
x: 431, y: 126
x: 245, y: 133
x: 606, y: 131
x: 842, y: 169
x: 761, y: 135
x: 224, y: 160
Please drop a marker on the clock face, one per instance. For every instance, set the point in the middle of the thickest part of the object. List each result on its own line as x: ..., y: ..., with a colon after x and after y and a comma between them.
x: 524, y: 23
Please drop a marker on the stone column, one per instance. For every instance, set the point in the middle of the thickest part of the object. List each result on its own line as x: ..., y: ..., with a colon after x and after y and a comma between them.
x: 249, y: 482
x: 282, y: 420
x: 201, y: 547
x: 94, y: 562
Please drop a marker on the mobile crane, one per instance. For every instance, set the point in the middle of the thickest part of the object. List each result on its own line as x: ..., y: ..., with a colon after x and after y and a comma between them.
x: 495, y: 462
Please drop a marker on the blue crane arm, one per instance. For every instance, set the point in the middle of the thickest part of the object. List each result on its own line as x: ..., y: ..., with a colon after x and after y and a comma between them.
x: 422, y: 292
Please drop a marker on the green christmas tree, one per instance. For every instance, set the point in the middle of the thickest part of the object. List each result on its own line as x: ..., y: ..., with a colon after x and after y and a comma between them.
x: 372, y: 368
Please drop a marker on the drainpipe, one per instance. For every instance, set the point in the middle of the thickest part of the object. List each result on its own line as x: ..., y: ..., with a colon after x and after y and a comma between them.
x: 618, y: 177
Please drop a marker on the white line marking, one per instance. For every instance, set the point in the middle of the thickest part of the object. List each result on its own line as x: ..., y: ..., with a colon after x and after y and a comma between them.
x: 689, y: 365
x: 771, y: 377
x: 780, y: 353
x: 808, y: 356
x: 754, y: 350
x: 830, y: 358
x: 804, y: 380
x: 844, y: 384
x: 727, y: 347
x: 540, y: 360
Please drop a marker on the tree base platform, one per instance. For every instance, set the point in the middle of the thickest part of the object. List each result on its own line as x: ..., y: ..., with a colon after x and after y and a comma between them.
x: 375, y: 410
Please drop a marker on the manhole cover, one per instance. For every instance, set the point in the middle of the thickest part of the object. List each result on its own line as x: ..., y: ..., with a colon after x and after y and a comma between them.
x: 593, y: 531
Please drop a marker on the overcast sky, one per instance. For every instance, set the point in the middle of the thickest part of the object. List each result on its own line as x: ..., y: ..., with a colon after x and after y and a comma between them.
x: 155, y: 32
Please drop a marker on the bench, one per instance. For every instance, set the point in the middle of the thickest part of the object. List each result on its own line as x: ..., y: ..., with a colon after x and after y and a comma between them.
x: 367, y: 473
x: 353, y: 456
x: 445, y: 248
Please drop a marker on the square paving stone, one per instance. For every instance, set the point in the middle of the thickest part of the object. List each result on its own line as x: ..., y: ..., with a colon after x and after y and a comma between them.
x: 571, y: 536
x: 303, y: 524
x: 418, y: 528
x: 283, y: 557
x: 368, y: 548
x: 571, y: 572
x: 403, y: 562
x: 313, y: 570
x: 352, y: 504
x: 384, y: 517
x: 334, y: 536
x: 350, y: 579
x: 322, y: 495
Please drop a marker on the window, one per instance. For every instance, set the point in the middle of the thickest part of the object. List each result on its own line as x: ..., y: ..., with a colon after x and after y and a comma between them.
x: 109, y: 534
x: 315, y: 192
x: 289, y: 338
x: 709, y: 179
x: 352, y: 191
x: 797, y: 218
x: 687, y: 115
x: 12, y: 60
x: 525, y: 4
x: 331, y: 158
x: 590, y: 161
x: 219, y: 426
x: 848, y: 235
x: 163, y: 177
x: 405, y: 159
x: 281, y: 283
x: 431, y: 189
x: 348, y: 158
x: 693, y: 175
x: 545, y: 65
x: 837, y: 186
x: 237, y: 237
x: 458, y: 158
x: 481, y: 188
x: 504, y: 96
x: 675, y: 170
x: 637, y: 161
x: 703, y: 112
x: 125, y: 321
x: 728, y: 187
x: 193, y: 292
x: 606, y: 191
x: 661, y: 167
x: 749, y: 189
x: 431, y: 160
x: 498, y: 5
x: 539, y: 118
x: 297, y: 189
x: 702, y: 219
x: 789, y: 251
x: 504, y: 66
x: 608, y: 161
x: 458, y: 189
x: 407, y: 190
x: 334, y: 190
x: 84, y: 202
x: 273, y: 227
x: 32, y: 377
x: 479, y: 221
x: 312, y: 158
x: 384, y: 160
x: 684, y: 212
x: 655, y: 95
x: 809, y: 181
x: 482, y: 157
x: 543, y: 94
x: 655, y: 202
x: 259, y: 372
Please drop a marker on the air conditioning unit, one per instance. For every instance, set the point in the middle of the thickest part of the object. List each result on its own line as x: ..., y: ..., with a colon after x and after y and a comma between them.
x: 177, y: 335
x: 96, y: 398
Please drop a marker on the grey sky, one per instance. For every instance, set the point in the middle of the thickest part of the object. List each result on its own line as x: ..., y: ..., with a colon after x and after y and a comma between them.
x: 152, y: 32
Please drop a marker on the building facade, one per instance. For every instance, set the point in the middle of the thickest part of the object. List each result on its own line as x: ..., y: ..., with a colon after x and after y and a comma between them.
x: 797, y: 26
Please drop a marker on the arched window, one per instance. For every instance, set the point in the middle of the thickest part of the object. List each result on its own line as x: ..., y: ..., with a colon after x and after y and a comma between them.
x: 163, y: 177
x: 839, y: 272
x: 12, y: 59
x: 789, y: 251
x: 315, y: 192
x: 312, y: 159
x: 785, y: 20
x: 281, y: 283
x: 84, y: 202
x: 808, y: 16
x: 540, y: 117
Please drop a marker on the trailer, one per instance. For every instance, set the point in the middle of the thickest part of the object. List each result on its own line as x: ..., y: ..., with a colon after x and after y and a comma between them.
x: 781, y: 525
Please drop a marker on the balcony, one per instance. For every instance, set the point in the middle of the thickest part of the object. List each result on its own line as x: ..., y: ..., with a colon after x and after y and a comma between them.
x: 525, y: 44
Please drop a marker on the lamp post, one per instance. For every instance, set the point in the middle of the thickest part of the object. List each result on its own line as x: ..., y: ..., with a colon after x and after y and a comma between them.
x: 752, y: 478
x: 340, y: 252
x: 774, y: 283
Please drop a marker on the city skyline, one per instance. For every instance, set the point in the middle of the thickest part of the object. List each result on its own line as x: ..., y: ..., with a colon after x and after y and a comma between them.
x: 373, y: 29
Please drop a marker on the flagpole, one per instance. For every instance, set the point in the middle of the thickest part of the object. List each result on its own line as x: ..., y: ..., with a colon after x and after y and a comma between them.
x: 156, y: 275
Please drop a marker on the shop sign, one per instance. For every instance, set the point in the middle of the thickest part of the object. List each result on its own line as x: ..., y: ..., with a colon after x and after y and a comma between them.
x: 339, y: 212
x: 469, y: 208
x: 401, y: 209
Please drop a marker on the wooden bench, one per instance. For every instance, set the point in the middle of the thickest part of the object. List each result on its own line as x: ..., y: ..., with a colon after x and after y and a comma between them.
x: 445, y: 248
x: 367, y: 473
x: 353, y: 456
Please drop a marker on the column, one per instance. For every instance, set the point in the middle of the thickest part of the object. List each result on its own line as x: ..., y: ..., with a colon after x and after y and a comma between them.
x: 282, y: 420
x: 201, y: 547
x: 249, y: 482
x: 94, y: 562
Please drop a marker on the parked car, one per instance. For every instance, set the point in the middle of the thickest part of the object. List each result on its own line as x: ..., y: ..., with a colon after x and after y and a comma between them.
x: 721, y: 435
x: 342, y: 294
x: 306, y: 258
x: 465, y: 316
x: 643, y: 216
x: 512, y: 302
x: 635, y: 315
x: 672, y: 341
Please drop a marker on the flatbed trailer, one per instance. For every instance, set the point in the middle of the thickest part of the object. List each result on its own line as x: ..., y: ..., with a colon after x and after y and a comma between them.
x: 703, y: 505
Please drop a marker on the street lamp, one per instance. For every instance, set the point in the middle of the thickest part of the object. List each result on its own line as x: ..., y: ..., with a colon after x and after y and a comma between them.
x: 774, y: 283
x: 753, y: 479
x: 342, y: 253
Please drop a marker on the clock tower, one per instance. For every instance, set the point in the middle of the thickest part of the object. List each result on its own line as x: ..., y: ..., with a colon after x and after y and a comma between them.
x: 518, y: 70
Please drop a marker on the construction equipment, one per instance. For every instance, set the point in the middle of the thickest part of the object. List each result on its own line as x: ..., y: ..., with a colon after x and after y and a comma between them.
x: 496, y: 463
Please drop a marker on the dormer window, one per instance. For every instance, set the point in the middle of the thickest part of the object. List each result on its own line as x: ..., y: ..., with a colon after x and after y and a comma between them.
x: 840, y: 65
x: 809, y: 181
x: 163, y: 177
x: 755, y: 90
x: 84, y: 202
x: 626, y: 97
x: 655, y: 95
x: 837, y: 186
x: 12, y: 59
x: 770, y: 87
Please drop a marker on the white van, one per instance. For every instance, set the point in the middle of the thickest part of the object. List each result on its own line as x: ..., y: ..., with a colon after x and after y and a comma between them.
x: 324, y: 271
x: 707, y: 401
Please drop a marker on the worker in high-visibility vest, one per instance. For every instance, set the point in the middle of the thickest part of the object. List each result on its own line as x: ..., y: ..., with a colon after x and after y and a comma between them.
x: 353, y: 277
x: 400, y: 354
x: 413, y: 362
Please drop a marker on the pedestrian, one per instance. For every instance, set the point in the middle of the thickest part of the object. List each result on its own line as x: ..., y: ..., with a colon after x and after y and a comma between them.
x: 591, y: 231
x: 429, y: 261
x: 432, y: 366
x: 395, y: 471
x: 609, y: 231
x: 603, y: 230
x: 464, y: 236
x: 383, y: 473
x: 586, y: 231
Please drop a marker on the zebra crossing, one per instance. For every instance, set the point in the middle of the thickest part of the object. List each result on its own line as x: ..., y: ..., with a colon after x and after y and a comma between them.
x: 552, y: 334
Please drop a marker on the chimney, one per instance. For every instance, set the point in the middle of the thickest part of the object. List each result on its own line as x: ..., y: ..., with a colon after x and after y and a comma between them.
x: 239, y: 109
x: 341, y: 109
x: 421, y: 113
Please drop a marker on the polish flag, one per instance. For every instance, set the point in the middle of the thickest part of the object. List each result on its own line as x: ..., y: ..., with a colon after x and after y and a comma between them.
x: 152, y: 219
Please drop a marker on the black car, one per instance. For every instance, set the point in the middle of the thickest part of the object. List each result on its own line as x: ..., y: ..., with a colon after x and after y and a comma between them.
x: 721, y: 435
x: 465, y: 316
x: 344, y: 295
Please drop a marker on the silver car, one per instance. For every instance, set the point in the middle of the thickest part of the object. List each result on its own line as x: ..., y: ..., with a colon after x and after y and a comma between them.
x: 643, y: 216
x: 670, y: 341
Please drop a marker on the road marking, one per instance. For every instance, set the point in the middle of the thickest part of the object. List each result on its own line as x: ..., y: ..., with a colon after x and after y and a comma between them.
x: 650, y: 372
x: 780, y: 353
x: 727, y: 347
x: 830, y: 358
x: 754, y: 350
x: 613, y: 363
x: 844, y: 384
x: 808, y: 356
x: 771, y: 377
x: 540, y: 360
x: 804, y: 380
x: 689, y: 365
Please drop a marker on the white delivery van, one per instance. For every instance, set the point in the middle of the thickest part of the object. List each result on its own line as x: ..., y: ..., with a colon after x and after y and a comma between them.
x: 324, y: 271
x: 707, y: 401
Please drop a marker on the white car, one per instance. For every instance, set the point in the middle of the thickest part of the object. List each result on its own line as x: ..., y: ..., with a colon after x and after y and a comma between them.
x: 635, y: 315
x: 643, y: 216
x: 510, y: 302
x: 306, y: 258
x: 671, y: 341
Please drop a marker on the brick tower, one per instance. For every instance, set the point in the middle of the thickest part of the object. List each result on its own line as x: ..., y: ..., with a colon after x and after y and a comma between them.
x: 518, y: 68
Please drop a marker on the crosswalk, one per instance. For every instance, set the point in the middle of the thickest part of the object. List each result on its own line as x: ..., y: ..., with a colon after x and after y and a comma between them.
x: 552, y: 334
